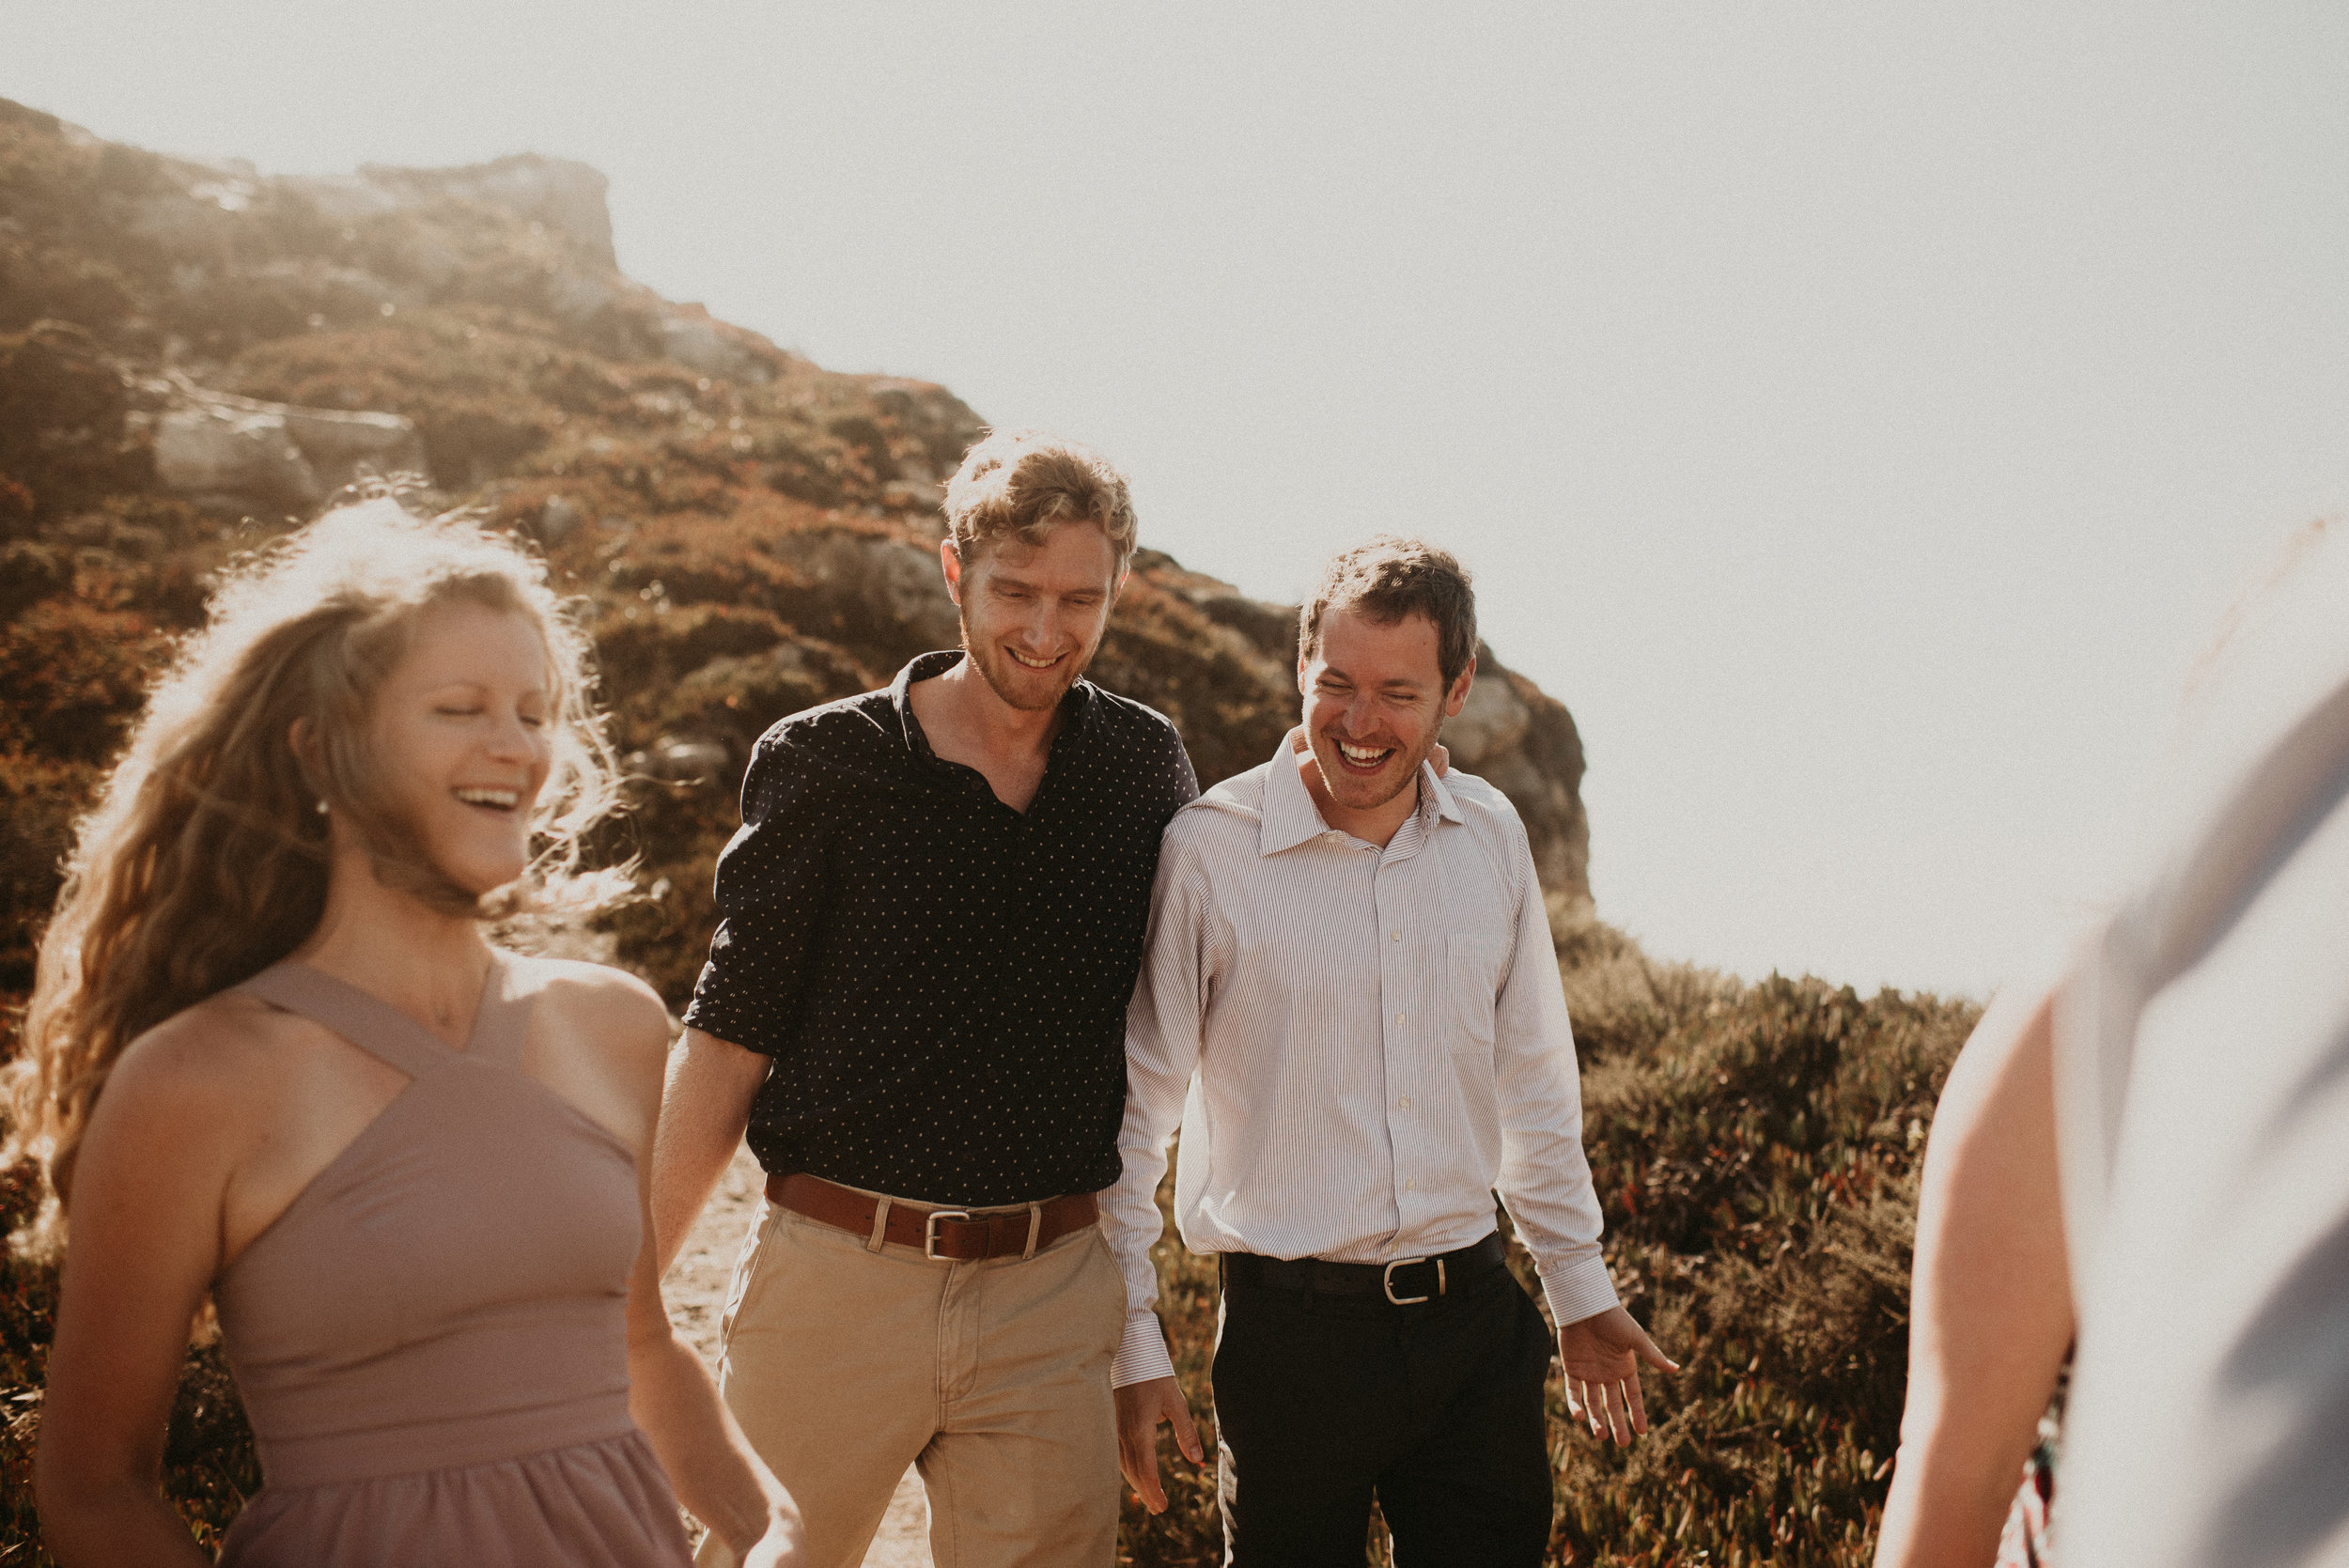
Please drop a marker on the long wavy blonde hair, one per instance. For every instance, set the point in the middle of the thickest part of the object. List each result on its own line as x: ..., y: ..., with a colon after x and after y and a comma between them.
x: 205, y: 859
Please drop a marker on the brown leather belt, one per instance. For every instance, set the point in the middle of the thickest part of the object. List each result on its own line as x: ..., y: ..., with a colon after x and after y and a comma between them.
x: 948, y: 1234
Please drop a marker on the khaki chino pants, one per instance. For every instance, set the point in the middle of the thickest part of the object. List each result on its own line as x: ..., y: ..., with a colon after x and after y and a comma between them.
x: 845, y: 1365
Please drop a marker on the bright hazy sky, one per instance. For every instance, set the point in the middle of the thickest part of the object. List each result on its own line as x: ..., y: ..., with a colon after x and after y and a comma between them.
x: 1857, y: 414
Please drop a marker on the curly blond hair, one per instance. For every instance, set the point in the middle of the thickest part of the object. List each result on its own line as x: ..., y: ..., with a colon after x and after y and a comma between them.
x: 204, y: 858
x: 1021, y: 483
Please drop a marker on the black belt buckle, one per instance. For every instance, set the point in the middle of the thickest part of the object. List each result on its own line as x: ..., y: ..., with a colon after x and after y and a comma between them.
x: 1386, y: 1281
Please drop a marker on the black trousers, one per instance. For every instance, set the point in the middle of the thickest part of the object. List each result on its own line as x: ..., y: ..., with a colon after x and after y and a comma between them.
x: 1324, y: 1401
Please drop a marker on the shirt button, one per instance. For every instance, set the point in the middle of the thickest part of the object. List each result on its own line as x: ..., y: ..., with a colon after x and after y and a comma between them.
x: 1398, y: 1018
x: 1411, y: 1186
x: 1405, y: 1102
x: 1395, y: 936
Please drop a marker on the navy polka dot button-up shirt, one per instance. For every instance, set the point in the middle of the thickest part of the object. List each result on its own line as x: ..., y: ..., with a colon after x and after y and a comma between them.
x: 942, y: 981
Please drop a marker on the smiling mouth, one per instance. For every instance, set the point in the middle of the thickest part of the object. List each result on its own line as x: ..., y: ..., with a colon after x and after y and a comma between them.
x: 490, y: 800
x: 1367, y: 758
x: 1027, y: 663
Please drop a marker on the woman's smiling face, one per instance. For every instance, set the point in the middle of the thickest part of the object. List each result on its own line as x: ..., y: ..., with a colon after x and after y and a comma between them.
x: 459, y: 728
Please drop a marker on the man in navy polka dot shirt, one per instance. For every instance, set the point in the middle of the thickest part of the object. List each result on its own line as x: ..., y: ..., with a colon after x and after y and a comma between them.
x: 914, y: 1005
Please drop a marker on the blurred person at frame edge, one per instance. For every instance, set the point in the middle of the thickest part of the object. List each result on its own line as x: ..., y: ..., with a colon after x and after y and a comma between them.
x: 273, y: 1059
x: 2182, y: 1088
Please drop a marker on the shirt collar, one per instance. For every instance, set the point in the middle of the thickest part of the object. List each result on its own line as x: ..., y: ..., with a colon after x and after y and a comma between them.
x: 1290, y: 816
x: 1079, y: 711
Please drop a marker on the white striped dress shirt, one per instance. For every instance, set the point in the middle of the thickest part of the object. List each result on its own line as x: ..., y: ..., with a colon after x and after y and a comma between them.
x: 1360, y: 1046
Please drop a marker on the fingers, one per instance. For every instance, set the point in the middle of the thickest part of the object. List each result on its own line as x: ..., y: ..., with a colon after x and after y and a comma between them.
x: 1185, y: 1430
x: 1137, y: 1457
x: 1592, y: 1406
x: 1140, y: 1409
x: 1613, y: 1410
x: 1647, y: 1352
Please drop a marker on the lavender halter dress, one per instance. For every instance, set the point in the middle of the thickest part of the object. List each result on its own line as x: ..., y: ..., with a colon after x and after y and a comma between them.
x: 430, y: 1340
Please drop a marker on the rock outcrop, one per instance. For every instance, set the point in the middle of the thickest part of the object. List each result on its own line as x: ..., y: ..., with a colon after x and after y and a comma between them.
x: 230, y: 450
x: 190, y: 352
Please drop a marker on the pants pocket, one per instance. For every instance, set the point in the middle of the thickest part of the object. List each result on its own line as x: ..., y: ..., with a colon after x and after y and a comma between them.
x: 755, y: 1242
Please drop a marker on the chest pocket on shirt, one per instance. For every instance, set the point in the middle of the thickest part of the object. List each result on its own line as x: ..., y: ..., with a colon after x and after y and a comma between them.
x: 1472, y: 966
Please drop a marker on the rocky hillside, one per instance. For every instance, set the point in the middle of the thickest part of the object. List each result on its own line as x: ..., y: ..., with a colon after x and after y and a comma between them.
x: 192, y: 355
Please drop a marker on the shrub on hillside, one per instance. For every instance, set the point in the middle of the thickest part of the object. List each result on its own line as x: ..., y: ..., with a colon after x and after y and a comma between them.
x: 1755, y: 1147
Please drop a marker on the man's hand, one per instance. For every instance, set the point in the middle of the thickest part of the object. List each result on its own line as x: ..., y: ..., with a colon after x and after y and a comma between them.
x: 1141, y: 1407
x: 1602, y: 1357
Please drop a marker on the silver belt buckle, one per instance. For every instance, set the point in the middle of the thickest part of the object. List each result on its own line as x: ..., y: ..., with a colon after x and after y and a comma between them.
x: 929, y: 1230
x: 1386, y: 1283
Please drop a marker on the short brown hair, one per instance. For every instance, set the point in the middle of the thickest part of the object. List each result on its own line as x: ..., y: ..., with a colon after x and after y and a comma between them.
x: 1387, y: 579
x: 1021, y: 483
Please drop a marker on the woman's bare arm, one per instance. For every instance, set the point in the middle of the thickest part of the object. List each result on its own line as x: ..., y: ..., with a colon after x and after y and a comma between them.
x: 711, y: 1464
x: 1991, y: 1303
x: 145, y: 1244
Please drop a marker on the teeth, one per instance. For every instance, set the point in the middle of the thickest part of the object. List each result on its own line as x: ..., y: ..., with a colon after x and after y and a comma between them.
x: 1362, y: 754
x: 1034, y: 663
x: 503, y: 798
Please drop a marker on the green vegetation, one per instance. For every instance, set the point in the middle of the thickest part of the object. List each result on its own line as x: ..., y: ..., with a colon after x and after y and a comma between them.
x: 1756, y: 1148
x: 749, y: 535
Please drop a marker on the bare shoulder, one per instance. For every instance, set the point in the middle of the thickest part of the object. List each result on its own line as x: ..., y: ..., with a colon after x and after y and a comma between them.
x: 599, y: 1037
x: 216, y: 1068
x: 607, y: 1008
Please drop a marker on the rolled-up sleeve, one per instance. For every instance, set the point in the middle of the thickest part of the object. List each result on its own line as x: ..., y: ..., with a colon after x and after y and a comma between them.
x: 1544, y: 1177
x: 771, y: 893
x: 1163, y: 1035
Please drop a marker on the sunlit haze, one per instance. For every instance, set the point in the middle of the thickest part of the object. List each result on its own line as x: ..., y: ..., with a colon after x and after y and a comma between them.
x: 1857, y: 416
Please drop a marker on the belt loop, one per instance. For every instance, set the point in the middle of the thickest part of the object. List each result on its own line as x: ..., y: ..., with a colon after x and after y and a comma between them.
x: 1036, y: 1228
x: 880, y: 1224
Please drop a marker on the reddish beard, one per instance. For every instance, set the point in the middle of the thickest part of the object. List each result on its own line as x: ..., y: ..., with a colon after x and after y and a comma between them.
x: 991, y: 662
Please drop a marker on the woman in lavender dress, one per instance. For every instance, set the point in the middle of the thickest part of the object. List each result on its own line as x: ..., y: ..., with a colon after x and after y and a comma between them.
x: 273, y: 1059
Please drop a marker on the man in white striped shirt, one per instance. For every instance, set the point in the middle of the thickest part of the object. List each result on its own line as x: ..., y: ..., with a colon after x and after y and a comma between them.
x: 1351, y: 1009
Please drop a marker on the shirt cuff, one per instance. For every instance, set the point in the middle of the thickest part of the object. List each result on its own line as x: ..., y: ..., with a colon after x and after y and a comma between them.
x: 1142, y: 1355
x: 1577, y: 1290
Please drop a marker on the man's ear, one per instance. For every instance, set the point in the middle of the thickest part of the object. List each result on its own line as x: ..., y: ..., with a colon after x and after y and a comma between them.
x: 1457, y: 696
x: 950, y: 562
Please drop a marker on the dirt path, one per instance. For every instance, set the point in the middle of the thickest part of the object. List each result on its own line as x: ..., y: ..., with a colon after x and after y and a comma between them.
x: 697, y: 1293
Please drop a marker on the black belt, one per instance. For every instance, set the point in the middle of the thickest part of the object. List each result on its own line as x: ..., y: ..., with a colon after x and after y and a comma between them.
x: 1405, y: 1282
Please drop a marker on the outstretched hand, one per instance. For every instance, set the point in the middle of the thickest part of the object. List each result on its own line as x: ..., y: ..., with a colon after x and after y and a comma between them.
x: 1141, y: 1407
x: 1601, y: 1356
